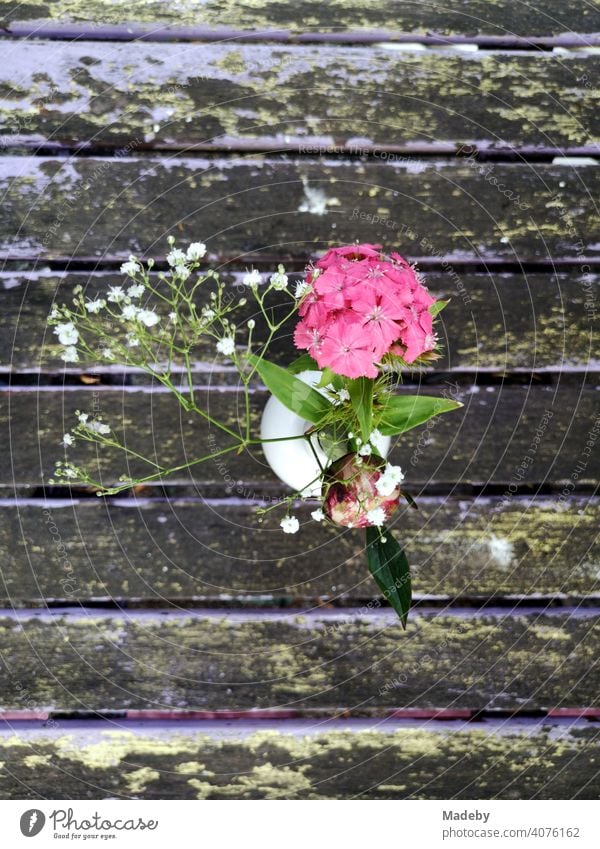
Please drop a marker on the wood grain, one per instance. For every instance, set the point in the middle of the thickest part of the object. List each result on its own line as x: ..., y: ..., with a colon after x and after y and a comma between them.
x: 182, y: 551
x: 482, y: 762
x: 488, y: 440
x: 235, y: 95
x: 494, y: 322
x: 85, y: 661
x: 96, y: 208
x: 498, y: 17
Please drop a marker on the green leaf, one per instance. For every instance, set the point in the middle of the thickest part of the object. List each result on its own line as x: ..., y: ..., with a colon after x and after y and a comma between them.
x: 293, y: 393
x: 411, y: 501
x: 437, y: 307
x: 389, y: 566
x: 361, y: 397
x: 302, y: 363
x: 403, y: 412
x: 327, y: 378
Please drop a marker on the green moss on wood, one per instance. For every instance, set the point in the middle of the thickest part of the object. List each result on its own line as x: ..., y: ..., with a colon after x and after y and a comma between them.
x: 185, y: 549
x: 408, y: 764
x: 491, y: 17
x: 359, y: 663
x: 91, y: 207
x: 225, y: 94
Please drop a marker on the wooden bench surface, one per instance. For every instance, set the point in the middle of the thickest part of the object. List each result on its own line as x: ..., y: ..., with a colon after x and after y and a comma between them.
x: 465, y: 135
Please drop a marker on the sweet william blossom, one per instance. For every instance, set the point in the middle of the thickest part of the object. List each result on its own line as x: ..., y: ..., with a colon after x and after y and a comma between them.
x: 375, y: 304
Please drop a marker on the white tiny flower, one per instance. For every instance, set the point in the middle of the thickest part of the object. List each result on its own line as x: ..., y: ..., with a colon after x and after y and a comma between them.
x: 70, y: 355
x: 69, y: 472
x: 107, y: 354
x: 67, y: 440
x: 344, y: 395
x: 96, y: 305
x: 130, y: 268
x: 176, y: 257
x: 196, y: 251
x: 389, y: 480
x: 365, y: 450
x: 99, y: 427
x: 67, y: 333
x: 130, y: 312
x: 251, y: 324
x: 279, y: 281
x: 148, y: 317
x: 207, y: 313
x: 318, y: 515
x: 83, y: 417
x: 54, y: 314
x: 116, y: 294
x: 376, y: 517
x: 132, y: 340
x: 226, y: 346
x: 136, y: 291
x: 394, y: 472
x: 302, y: 288
x: 252, y: 278
x: 172, y: 316
x: 182, y: 271
x: 378, y: 441
x: 350, y: 435
x: 289, y: 525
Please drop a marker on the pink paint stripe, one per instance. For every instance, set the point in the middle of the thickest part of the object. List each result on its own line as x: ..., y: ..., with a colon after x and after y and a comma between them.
x: 594, y: 713
x: 15, y: 715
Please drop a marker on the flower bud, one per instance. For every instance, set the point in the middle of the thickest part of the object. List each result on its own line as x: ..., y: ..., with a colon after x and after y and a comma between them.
x: 350, y: 492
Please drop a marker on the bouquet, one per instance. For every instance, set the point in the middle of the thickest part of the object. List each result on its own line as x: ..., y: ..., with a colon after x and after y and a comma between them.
x: 362, y: 319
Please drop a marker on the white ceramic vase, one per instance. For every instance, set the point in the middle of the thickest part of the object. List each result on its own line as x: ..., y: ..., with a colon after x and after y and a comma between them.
x: 293, y: 460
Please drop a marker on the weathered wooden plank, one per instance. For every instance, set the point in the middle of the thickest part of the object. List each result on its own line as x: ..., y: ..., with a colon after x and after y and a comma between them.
x: 493, y: 322
x: 419, y: 762
x: 234, y: 662
x: 489, y: 440
x: 497, y: 17
x: 97, y: 207
x: 181, y: 550
x: 229, y: 95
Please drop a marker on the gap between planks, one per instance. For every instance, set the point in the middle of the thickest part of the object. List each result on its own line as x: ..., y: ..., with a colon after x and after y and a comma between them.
x: 315, y: 618
x: 153, y: 33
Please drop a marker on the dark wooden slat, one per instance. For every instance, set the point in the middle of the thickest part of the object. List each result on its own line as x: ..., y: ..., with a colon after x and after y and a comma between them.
x: 229, y: 95
x: 487, y: 441
x: 185, y: 549
x: 92, y: 662
x: 422, y: 762
x: 474, y: 18
x: 494, y: 322
x: 104, y: 207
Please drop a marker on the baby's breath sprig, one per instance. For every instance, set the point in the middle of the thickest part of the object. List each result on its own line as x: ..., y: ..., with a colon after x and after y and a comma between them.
x: 155, y: 322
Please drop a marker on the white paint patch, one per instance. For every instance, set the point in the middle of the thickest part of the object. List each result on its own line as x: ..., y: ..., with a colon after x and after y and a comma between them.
x: 501, y: 550
x: 315, y: 200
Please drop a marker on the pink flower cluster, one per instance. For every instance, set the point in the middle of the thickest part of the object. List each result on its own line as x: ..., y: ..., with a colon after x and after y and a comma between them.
x: 360, y: 306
